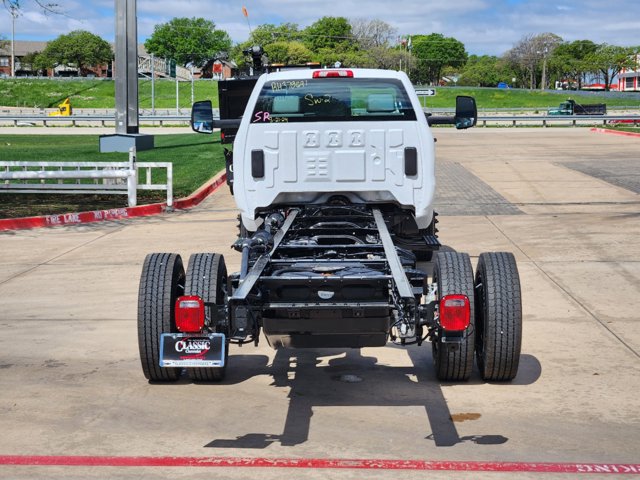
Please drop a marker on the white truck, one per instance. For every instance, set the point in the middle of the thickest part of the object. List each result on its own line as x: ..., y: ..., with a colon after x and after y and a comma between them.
x: 333, y: 174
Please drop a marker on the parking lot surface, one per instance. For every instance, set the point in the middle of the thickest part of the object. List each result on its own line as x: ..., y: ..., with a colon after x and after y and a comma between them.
x: 564, y: 201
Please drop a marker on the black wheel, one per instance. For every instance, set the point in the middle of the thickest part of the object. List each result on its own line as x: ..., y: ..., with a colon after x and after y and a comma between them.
x: 207, y: 278
x: 498, y: 316
x: 454, y: 275
x: 161, y: 283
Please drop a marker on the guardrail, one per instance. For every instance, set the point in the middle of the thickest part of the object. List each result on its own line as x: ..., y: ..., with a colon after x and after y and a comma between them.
x: 84, y: 177
x: 89, y: 120
x: 574, y: 120
x: 161, y: 120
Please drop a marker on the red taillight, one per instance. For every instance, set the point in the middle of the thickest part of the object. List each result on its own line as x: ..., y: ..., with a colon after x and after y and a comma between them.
x: 190, y: 314
x: 222, y: 136
x: 332, y: 73
x: 455, y: 313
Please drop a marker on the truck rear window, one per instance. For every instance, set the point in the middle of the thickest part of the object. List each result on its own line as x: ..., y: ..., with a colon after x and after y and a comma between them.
x: 334, y: 100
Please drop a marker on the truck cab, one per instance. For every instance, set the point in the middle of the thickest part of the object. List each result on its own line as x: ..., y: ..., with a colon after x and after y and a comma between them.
x: 310, y: 135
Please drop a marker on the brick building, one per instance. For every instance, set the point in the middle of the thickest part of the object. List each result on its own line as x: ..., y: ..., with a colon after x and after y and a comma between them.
x: 25, y: 47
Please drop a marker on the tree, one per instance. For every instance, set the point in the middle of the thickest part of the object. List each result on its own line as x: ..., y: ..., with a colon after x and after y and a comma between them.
x: 32, y: 61
x: 568, y: 60
x: 348, y: 57
x: 268, y: 33
x: 531, y: 53
x: 434, y: 52
x: 372, y: 47
x: 79, y: 48
x: 389, y: 58
x: 371, y: 34
x: 485, y: 71
x: 329, y: 33
x: 188, y: 41
x: 609, y: 60
x: 292, y: 53
x: 16, y: 5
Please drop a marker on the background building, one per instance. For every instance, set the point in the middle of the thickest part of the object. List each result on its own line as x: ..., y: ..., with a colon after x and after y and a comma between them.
x: 629, y: 80
x: 23, y: 48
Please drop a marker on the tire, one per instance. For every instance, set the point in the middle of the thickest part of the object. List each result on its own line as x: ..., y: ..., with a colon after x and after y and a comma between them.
x: 207, y: 278
x: 454, y: 275
x: 161, y: 283
x: 498, y: 316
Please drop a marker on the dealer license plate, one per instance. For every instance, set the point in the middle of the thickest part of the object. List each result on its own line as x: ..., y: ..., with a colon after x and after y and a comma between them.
x: 188, y: 350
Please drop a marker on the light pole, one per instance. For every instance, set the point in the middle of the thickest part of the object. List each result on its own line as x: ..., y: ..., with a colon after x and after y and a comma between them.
x: 126, y: 79
x: 13, y: 10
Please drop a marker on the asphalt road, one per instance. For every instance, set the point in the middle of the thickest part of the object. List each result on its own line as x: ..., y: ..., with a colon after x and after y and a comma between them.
x: 72, y: 390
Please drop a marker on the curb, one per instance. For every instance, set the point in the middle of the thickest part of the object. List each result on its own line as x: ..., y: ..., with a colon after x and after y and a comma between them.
x: 319, y: 463
x: 114, y: 213
x: 615, y: 132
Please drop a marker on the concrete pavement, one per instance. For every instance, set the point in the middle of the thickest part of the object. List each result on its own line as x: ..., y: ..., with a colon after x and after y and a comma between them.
x: 71, y: 383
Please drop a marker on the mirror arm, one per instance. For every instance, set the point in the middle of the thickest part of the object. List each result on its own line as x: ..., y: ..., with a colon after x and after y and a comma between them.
x: 227, y: 123
x: 441, y: 120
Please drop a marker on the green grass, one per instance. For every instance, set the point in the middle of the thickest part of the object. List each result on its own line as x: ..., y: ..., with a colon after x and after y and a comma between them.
x: 88, y: 93
x: 514, y: 98
x: 196, y: 158
x: 91, y: 93
x: 625, y: 129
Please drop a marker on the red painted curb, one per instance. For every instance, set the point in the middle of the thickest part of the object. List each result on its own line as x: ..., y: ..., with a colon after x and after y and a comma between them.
x: 203, y: 192
x: 114, y: 213
x: 615, y: 132
x: 355, y: 464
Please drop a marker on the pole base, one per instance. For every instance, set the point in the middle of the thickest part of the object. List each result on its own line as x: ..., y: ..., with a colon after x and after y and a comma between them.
x: 123, y: 142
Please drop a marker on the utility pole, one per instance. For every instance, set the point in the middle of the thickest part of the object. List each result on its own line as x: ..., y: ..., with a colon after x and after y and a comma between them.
x: 13, y: 10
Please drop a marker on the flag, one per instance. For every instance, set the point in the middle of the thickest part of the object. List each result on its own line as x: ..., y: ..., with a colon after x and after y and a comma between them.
x: 245, y: 12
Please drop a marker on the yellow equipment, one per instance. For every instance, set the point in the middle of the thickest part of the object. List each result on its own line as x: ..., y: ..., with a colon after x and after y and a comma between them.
x: 64, y: 109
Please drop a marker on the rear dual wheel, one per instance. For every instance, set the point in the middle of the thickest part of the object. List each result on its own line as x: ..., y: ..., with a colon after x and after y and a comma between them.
x: 207, y: 278
x: 495, y: 329
x: 498, y: 316
x: 453, y: 274
x: 161, y: 283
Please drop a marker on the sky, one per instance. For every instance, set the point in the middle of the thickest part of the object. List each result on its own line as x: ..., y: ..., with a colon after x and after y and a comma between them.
x: 488, y: 27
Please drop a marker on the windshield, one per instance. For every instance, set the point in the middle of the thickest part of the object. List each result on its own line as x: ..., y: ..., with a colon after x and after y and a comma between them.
x: 332, y: 99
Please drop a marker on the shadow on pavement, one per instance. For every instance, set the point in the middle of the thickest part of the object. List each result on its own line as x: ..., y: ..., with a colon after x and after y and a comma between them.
x: 355, y: 380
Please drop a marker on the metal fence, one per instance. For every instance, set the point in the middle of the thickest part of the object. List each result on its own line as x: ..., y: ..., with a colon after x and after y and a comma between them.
x: 87, y: 120
x: 85, y: 177
x: 546, y: 120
